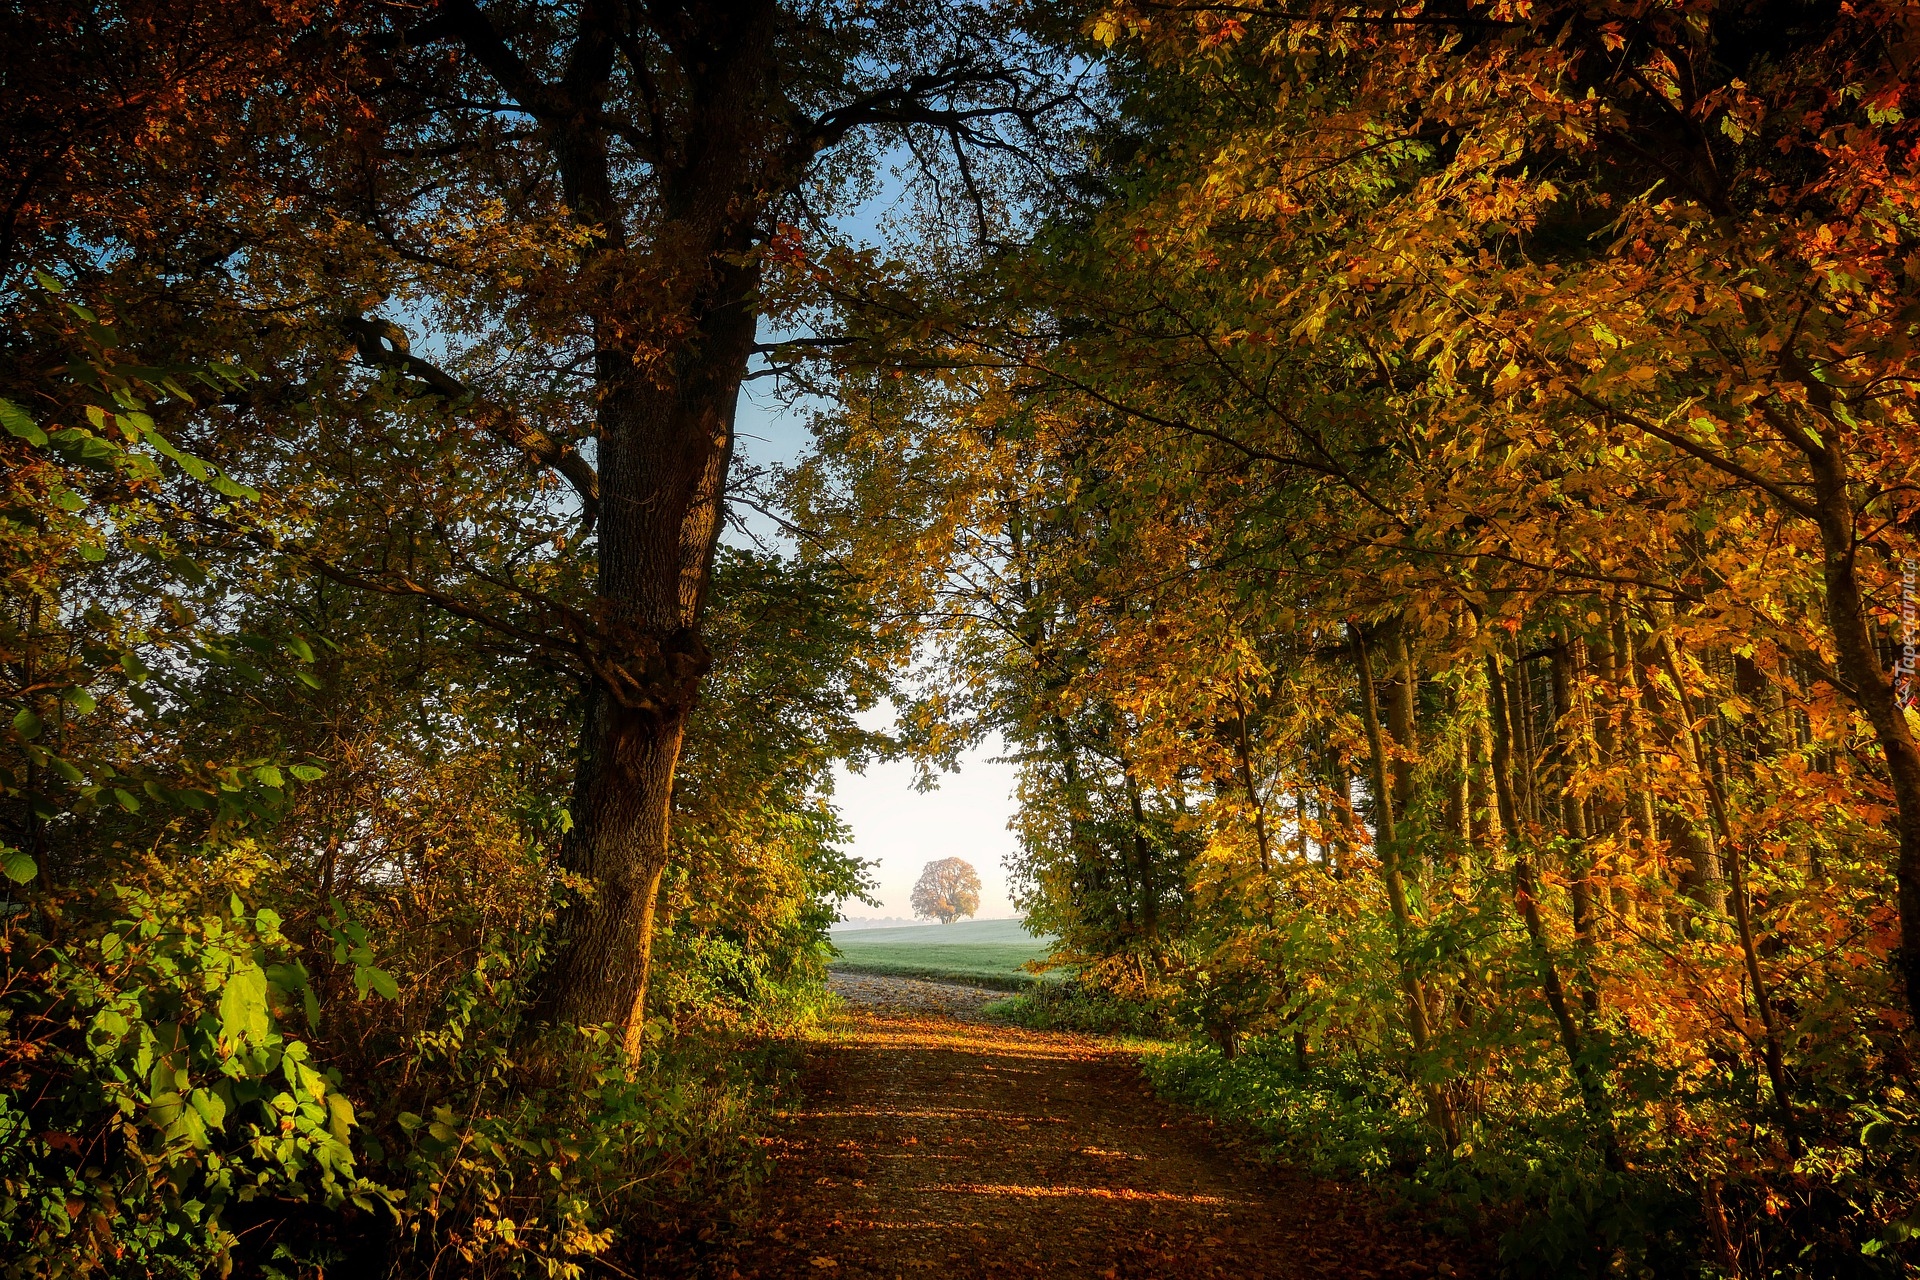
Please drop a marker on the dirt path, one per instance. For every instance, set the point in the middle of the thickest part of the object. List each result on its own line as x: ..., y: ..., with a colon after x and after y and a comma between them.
x: 936, y: 1143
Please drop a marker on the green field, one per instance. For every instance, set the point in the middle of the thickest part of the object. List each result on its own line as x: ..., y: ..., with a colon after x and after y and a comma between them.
x: 987, y: 952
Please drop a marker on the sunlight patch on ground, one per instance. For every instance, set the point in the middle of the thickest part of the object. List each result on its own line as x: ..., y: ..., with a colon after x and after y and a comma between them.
x: 956, y: 1113
x: 1057, y: 1192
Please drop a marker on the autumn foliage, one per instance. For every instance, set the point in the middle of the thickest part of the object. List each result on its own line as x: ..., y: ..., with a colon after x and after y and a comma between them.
x: 1430, y: 511
x: 946, y: 890
x: 1426, y: 494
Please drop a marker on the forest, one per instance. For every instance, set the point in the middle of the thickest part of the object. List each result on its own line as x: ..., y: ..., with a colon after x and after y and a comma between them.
x: 1426, y: 492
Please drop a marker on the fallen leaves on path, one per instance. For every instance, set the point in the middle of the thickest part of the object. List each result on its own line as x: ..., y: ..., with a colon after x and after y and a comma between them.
x: 937, y: 1143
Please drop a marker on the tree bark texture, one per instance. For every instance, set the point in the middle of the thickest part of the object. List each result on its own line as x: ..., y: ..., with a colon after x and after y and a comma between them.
x: 673, y: 323
x: 1871, y: 685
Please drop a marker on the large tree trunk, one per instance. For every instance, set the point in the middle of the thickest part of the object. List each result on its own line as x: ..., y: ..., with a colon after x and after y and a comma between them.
x: 662, y: 474
x: 603, y: 941
x: 1872, y: 686
x: 664, y: 454
x: 668, y: 384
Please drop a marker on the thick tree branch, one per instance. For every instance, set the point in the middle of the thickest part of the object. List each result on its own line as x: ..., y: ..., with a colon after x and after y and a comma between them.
x: 908, y: 102
x: 382, y: 344
x: 462, y: 20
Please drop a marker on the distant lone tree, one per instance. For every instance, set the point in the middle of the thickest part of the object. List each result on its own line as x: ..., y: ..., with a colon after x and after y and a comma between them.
x: 948, y: 889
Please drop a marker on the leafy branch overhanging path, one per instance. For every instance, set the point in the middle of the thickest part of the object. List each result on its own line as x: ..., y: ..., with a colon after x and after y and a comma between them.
x: 934, y: 1142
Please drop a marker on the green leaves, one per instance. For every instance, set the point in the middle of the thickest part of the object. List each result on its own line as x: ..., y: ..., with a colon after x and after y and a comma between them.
x: 209, y: 1106
x: 367, y: 978
x: 174, y: 1004
x: 351, y: 945
x: 230, y: 488
x: 17, y: 424
x: 16, y: 865
x: 243, y: 1006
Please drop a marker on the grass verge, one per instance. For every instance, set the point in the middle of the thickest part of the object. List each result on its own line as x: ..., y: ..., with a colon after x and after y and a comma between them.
x: 995, y: 979
x: 988, y: 953
x: 1063, y: 1006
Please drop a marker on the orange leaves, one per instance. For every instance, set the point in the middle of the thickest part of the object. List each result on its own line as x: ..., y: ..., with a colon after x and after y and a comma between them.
x: 1529, y: 345
x: 1216, y: 32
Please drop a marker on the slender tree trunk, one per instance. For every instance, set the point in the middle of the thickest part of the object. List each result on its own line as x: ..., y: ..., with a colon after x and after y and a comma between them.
x: 1336, y: 819
x: 1525, y: 750
x: 1254, y: 799
x: 1388, y: 847
x: 1143, y: 863
x: 1688, y: 830
x: 1645, y: 818
x: 1573, y: 816
x: 30, y: 796
x: 1774, y: 1057
x: 1459, y: 786
x: 1609, y: 808
x: 1527, y: 894
x: 1480, y: 792
x: 1300, y: 827
x: 1402, y: 713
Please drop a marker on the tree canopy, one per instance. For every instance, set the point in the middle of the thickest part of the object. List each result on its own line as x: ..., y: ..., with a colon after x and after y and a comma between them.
x: 1426, y: 494
x: 947, y: 889
x: 1430, y: 512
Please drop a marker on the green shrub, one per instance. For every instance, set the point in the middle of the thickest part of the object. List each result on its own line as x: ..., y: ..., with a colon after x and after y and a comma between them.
x: 1537, y: 1185
x: 169, y: 1091
x: 154, y: 1081
x: 533, y: 1155
x: 1067, y: 1006
x: 1553, y: 1206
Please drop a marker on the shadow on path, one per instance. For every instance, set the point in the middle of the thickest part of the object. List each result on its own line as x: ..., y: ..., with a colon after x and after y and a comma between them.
x: 935, y: 1143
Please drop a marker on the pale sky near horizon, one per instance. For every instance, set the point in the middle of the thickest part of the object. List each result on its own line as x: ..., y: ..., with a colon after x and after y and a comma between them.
x: 899, y: 828
x: 904, y: 829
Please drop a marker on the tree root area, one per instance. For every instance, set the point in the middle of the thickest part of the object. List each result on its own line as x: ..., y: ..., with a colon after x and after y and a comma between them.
x: 934, y: 1142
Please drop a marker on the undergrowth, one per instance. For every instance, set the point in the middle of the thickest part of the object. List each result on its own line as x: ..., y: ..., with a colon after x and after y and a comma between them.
x: 1537, y: 1187
x: 1067, y: 1006
x: 186, y: 1095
